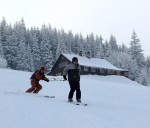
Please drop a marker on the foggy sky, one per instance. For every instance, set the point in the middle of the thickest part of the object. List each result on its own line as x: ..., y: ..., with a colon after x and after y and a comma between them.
x: 101, y: 17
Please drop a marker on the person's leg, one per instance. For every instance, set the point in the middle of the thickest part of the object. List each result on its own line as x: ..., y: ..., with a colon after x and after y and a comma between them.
x: 78, y: 91
x: 72, y: 89
x: 33, y: 87
x: 38, y: 88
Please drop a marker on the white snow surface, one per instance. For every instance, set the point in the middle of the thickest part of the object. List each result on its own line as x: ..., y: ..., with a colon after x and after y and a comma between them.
x: 92, y: 62
x: 113, y: 102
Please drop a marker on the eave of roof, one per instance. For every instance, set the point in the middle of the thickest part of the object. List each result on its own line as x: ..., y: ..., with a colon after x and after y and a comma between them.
x: 93, y: 62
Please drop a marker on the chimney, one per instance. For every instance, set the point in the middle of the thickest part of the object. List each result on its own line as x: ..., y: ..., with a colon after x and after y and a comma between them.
x: 80, y: 53
x: 88, y: 55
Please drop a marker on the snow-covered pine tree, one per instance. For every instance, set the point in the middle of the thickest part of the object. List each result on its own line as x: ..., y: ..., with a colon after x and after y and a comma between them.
x: 68, y: 40
x: 88, y: 47
x: 62, y: 46
x: 75, y: 44
x: 91, y: 43
x: 34, y: 47
x: 1, y: 48
x: 30, y: 59
x: 81, y: 46
x: 3, y: 35
x: 135, y: 50
x: 45, y: 48
x: 124, y: 60
x: 22, y: 57
x: 98, y: 52
x: 54, y: 43
x: 12, y: 49
x: 3, y: 62
x: 143, y: 77
x: 147, y: 63
x: 113, y: 43
x: 107, y: 50
x: 123, y: 48
x: 148, y: 76
x: 148, y: 70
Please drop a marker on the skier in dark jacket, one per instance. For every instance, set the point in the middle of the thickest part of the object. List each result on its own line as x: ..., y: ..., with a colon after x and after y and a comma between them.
x: 73, y: 72
x: 36, y: 77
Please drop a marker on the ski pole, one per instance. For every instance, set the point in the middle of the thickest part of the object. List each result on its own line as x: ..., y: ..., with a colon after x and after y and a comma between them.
x: 57, y: 80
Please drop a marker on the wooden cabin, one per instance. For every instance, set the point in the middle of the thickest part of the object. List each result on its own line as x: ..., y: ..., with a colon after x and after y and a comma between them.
x: 92, y: 66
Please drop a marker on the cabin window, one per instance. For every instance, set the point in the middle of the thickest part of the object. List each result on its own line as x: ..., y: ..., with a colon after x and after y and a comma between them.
x: 126, y: 74
x: 86, y: 69
x: 110, y: 72
x: 102, y: 70
x: 118, y: 72
x: 93, y: 70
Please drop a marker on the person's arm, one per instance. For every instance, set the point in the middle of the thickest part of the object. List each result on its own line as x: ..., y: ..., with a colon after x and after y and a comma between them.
x: 65, y: 72
x: 40, y: 76
x: 44, y: 77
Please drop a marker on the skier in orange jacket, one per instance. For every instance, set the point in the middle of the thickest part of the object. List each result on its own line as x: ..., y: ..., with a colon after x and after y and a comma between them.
x: 35, y: 78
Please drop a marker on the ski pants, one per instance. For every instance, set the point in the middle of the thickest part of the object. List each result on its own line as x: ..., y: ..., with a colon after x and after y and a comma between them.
x: 35, y: 86
x: 74, y: 86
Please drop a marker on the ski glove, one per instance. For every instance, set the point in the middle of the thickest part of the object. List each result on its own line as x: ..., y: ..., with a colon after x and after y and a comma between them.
x: 47, y: 80
x: 65, y: 78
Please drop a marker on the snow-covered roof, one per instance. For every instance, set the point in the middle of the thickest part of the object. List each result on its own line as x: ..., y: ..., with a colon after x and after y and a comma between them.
x: 92, y: 62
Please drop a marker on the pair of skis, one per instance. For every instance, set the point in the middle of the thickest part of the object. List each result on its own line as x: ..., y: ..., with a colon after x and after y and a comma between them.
x: 45, y: 96
x: 77, y: 103
x: 30, y: 94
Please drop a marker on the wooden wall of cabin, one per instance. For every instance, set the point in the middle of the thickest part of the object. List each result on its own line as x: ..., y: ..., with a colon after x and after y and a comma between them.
x: 59, y: 66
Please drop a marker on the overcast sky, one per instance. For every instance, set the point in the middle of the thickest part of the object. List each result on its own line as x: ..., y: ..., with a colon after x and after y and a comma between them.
x: 102, y: 17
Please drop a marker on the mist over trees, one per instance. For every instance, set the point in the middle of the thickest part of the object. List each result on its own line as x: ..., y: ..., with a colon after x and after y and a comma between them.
x: 27, y: 49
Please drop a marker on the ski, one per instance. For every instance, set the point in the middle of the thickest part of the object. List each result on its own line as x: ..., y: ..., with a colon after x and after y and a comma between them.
x: 84, y: 104
x: 49, y: 96
x: 77, y: 103
x: 31, y: 94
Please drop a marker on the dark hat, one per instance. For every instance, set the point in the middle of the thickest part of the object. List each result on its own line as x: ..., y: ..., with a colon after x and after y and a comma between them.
x: 42, y: 68
x: 74, y: 59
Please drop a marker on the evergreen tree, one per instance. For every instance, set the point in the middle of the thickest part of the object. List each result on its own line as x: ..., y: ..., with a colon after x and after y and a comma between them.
x: 123, y: 48
x: 68, y: 40
x: 34, y: 47
x: 113, y: 43
x: 54, y: 42
x: 136, y: 51
x: 3, y: 62
x: 1, y: 48
x: 148, y: 76
x: 12, y: 50
x: 22, y: 57
x: 3, y: 35
x: 124, y: 61
x: 143, y: 77
x: 81, y: 46
x: 62, y: 46
x: 98, y: 52
x: 45, y: 48
x: 107, y: 50
x: 30, y: 59
x: 88, y: 47
x: 91, y: 44
x: 148, y: 62
x: 75, y: 44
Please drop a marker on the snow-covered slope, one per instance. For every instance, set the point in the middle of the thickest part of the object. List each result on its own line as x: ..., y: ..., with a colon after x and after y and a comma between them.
x: 113, y: 102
